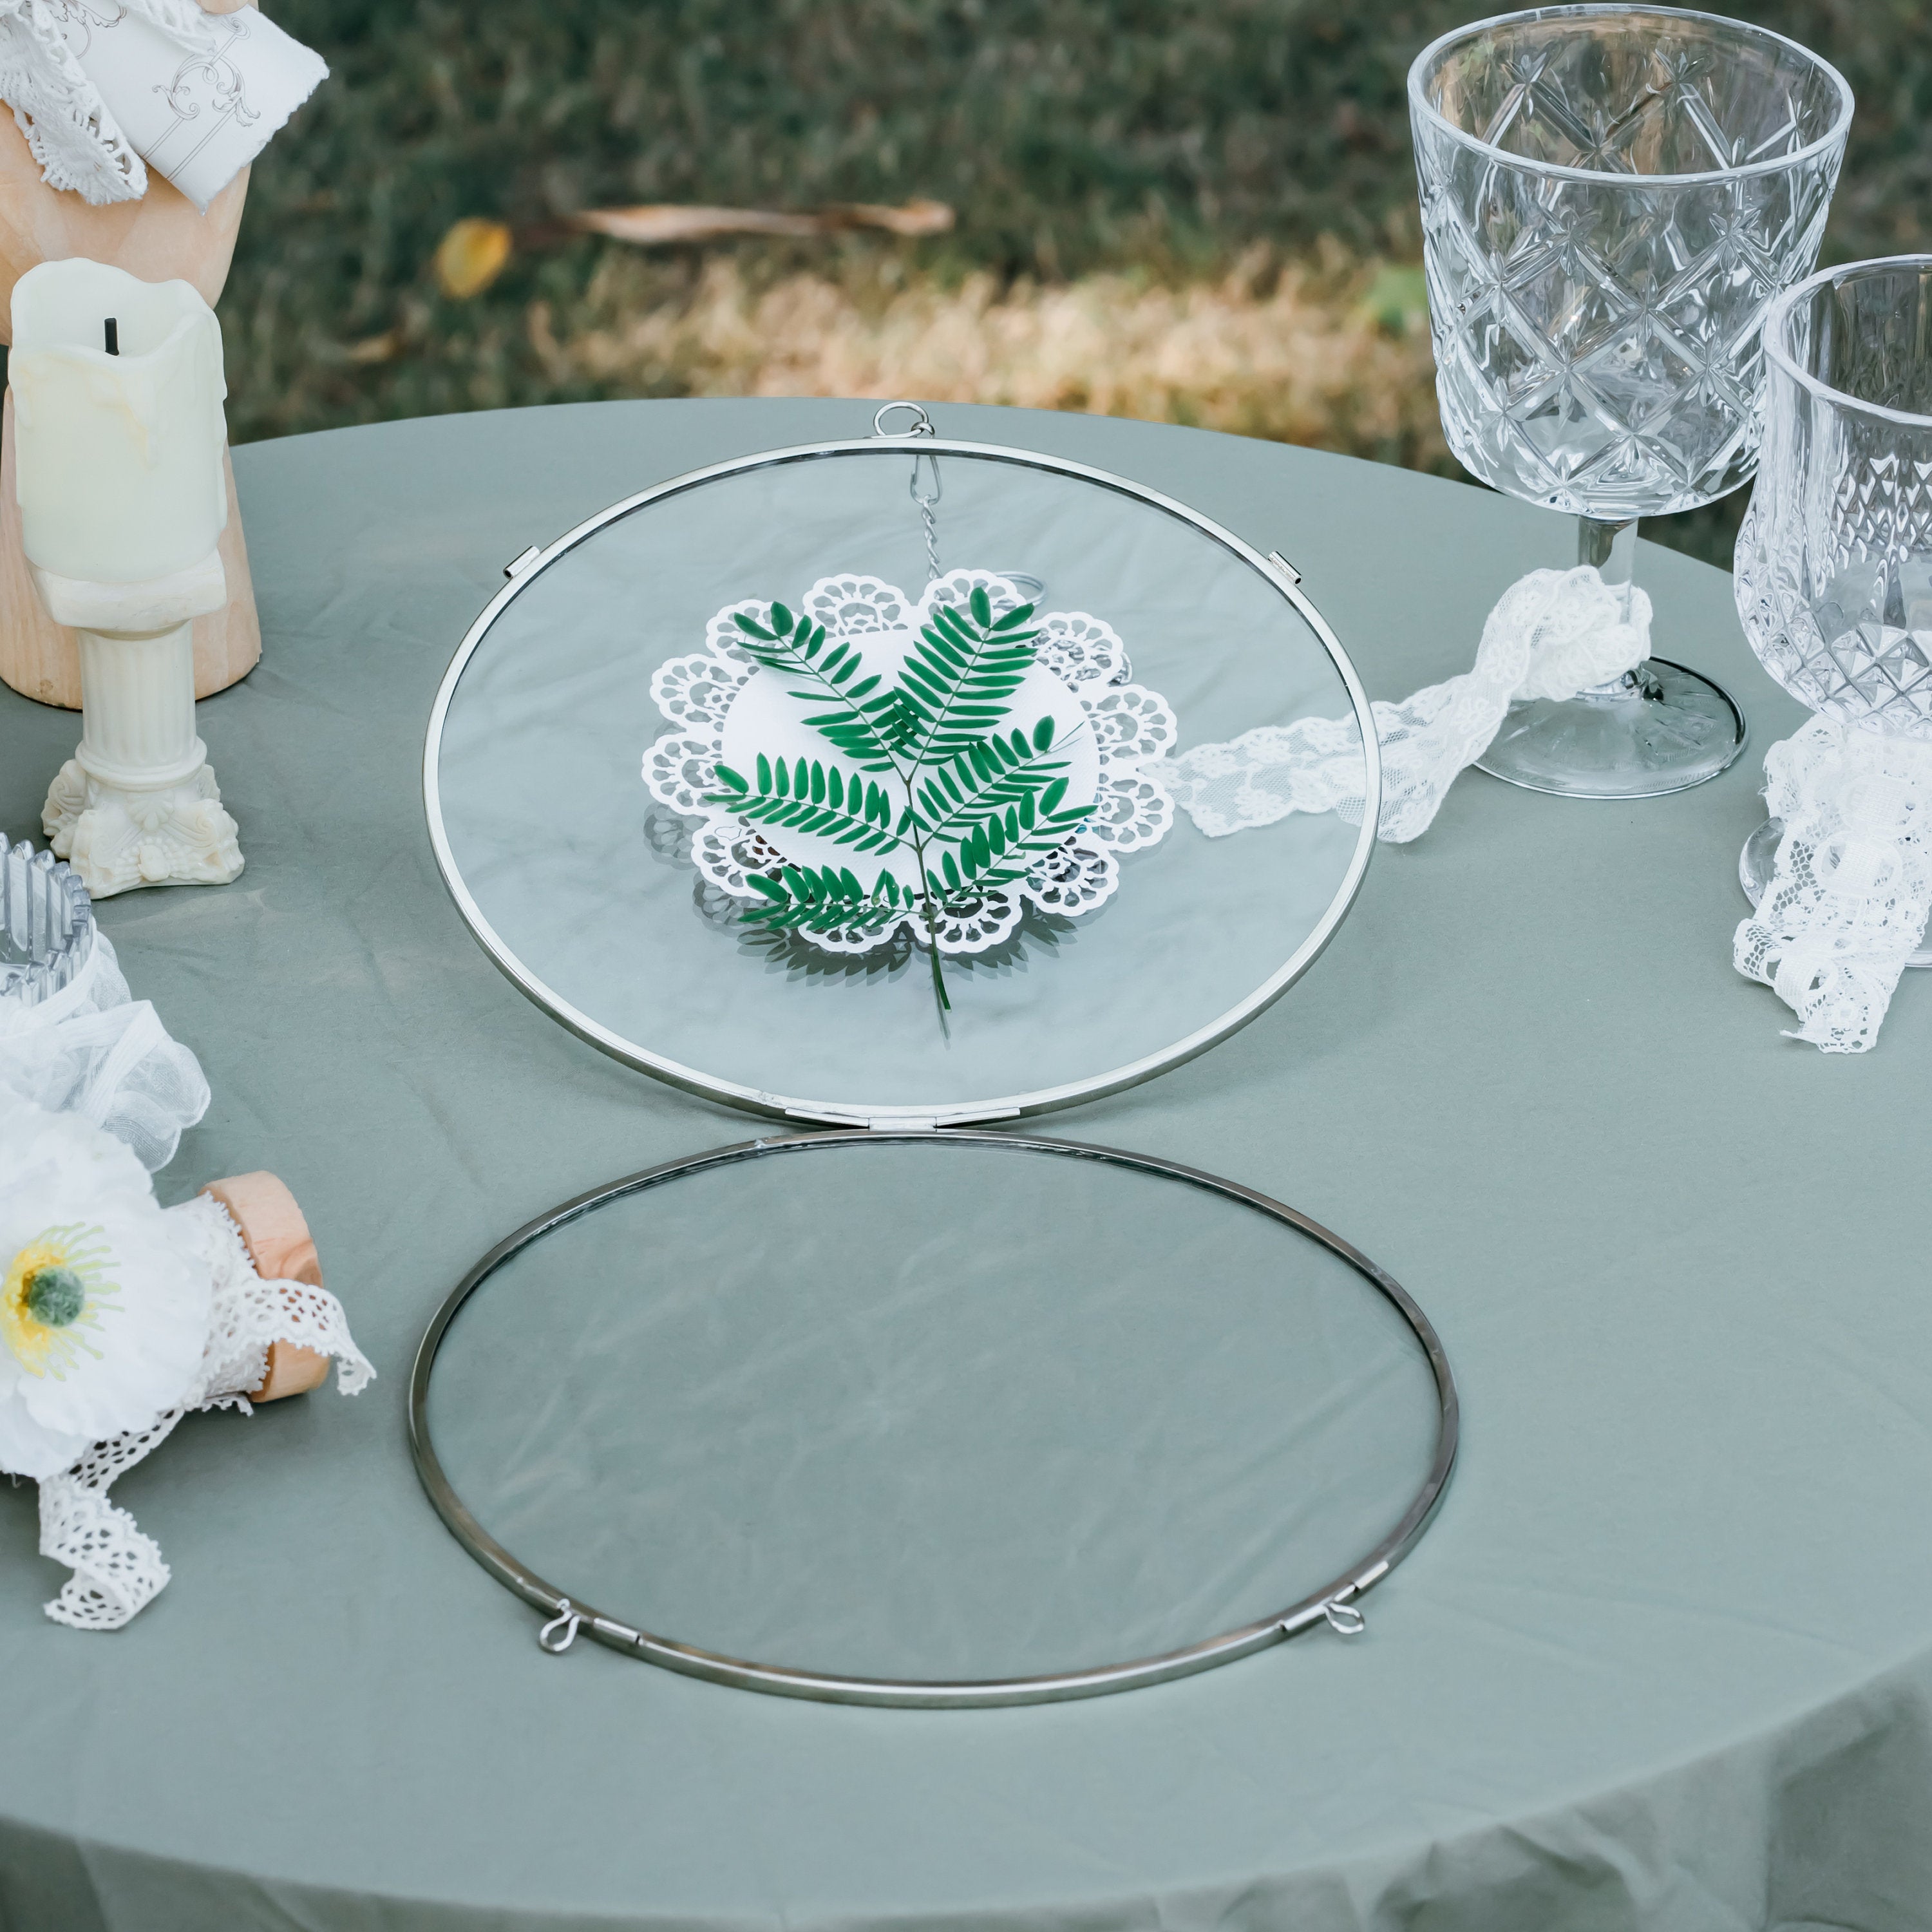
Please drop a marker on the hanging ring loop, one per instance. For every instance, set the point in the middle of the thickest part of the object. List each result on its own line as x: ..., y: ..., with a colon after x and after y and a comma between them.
x: 1344, y: 1619
x: 922, y: 423
x: 566, y: 1620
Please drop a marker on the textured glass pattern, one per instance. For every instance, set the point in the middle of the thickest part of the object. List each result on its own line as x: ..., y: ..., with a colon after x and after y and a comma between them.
x: 1611, y: 197
x: 46, y: 925
x: 1834, y: 574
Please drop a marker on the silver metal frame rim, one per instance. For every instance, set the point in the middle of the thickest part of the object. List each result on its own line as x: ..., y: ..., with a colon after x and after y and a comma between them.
x: 1329, y: 1604
x: 753, y: 1099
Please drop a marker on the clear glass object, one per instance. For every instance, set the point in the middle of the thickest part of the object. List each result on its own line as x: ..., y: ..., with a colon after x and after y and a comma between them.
x: 46, y: 925
x: 1611, y: 196
x: 1834, y: 567
x: 585, y: 893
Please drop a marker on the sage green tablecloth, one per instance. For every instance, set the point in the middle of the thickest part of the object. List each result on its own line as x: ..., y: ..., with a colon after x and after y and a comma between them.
x: 1664, y: 1660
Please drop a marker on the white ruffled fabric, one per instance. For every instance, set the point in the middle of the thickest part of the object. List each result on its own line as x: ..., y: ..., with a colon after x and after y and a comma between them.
x: 1846, y: 906
x: 1552, y: 634
x: 68, y: 128
x: 117, y: 1569
x: 93, y: 1050
x: 198, y: 95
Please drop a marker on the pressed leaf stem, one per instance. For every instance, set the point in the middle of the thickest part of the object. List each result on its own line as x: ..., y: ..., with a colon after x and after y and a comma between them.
x: 947, y: 707
x: 906, y: 776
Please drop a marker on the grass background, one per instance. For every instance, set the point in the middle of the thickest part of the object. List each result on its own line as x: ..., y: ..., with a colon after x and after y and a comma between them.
x: 1076, y: 138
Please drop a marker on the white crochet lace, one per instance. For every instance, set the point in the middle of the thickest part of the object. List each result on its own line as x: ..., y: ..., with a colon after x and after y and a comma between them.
x: 77, y: 141
x: 116, y: 1569
x: 1552, y: 633
x: 90, y: 1049
x: 1131, y: 727
x: 1847, y: 904
x: 199, y: 95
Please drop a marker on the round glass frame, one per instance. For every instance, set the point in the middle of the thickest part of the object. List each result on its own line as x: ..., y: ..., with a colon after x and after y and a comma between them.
x: 1279, y: 580
x: 1336, y: 1603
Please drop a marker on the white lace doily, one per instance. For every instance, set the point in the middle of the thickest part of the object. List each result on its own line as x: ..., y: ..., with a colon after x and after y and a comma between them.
x: 96, y: 86
x: 1847, y: 904
x: 1124, y: 731
x: 91, y: 1049
x: 117, y: 1569
x: 1552, y: 633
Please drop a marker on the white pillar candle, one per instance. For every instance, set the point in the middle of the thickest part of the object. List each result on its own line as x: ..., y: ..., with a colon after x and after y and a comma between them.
x: 118, y: 457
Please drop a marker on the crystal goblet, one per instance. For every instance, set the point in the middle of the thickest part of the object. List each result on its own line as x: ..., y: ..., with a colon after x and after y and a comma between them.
x: 1834, y: 567
x: 1611, y: 197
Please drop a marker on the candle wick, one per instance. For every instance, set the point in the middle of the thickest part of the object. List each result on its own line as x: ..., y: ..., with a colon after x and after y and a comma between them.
x: 113, y: 332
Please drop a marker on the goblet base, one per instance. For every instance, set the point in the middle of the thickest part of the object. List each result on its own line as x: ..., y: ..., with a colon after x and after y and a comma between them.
x: 1759, y: 860
x: 1665, y: 730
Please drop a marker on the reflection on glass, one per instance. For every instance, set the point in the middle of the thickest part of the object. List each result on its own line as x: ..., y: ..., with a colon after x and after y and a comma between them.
x: 951, y: 1410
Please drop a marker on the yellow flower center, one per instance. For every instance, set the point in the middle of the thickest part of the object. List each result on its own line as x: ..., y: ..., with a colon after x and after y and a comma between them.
x: 55, y: 1288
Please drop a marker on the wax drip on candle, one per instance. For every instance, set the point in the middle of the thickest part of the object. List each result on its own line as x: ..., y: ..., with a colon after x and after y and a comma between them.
x: 112, y: 330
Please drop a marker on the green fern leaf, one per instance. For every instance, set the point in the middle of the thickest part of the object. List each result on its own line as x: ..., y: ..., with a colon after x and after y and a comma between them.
x: 957, y: 678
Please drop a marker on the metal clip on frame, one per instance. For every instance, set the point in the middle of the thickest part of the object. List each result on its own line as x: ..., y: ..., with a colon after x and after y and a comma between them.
x: 567, y: 1620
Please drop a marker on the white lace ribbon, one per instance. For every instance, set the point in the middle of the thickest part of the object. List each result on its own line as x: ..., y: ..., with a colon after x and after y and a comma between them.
x: 1552, y: 634
x: 92, y: 1050
x: 117, y: 1569
x: 1847, y: 904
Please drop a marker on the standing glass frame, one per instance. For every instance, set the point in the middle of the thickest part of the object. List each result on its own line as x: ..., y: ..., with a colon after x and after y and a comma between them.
x: 1238, y: 625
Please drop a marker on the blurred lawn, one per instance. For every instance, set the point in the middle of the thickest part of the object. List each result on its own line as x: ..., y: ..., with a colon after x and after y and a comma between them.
x: 1137, y: 151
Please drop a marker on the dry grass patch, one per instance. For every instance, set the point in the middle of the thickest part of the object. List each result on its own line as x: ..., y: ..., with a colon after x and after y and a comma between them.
x: 1332, y: 352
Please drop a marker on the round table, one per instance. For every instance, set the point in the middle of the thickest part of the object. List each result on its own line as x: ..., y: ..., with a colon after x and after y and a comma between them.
x: 1665, y: 1658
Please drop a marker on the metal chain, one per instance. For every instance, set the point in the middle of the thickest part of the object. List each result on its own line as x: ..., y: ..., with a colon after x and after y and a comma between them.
x: 925, y: 503
x: 922, y: 425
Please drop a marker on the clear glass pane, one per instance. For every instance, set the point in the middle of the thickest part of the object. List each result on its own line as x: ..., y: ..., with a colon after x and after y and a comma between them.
x: 958, y: 1410
x: 589, y: 882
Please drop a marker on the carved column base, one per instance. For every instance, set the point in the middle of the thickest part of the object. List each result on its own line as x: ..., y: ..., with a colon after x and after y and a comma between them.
x: 137, y: 804
x: 119, y: 837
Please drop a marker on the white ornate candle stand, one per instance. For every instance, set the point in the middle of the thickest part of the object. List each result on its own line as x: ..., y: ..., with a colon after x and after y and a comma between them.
x: 137, y: 804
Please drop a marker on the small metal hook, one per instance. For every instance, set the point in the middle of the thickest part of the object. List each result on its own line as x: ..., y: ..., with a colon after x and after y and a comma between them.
x: 921, y: 426
x: 1344, y: 1619
x: 567, y: 1619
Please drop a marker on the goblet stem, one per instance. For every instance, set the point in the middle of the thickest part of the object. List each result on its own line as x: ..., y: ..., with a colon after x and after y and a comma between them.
x: 1611, y: 548
x: 1659, y: 728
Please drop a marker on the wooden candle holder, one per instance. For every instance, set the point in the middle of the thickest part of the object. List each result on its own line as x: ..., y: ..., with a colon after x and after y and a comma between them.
x: 279, y: 1243
x: 160, y: 238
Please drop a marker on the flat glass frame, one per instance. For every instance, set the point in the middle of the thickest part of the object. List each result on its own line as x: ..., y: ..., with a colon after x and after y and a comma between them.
x: 1335, y: 1604
x: 1273, y: 570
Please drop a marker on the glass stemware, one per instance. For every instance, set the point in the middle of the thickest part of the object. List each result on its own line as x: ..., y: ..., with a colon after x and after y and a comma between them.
x: 1834, y: 570
x: 1611, y: 197
x: 47, y: 928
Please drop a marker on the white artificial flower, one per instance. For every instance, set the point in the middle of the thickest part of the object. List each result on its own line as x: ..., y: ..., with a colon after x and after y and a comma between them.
x: 103, y: 1318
